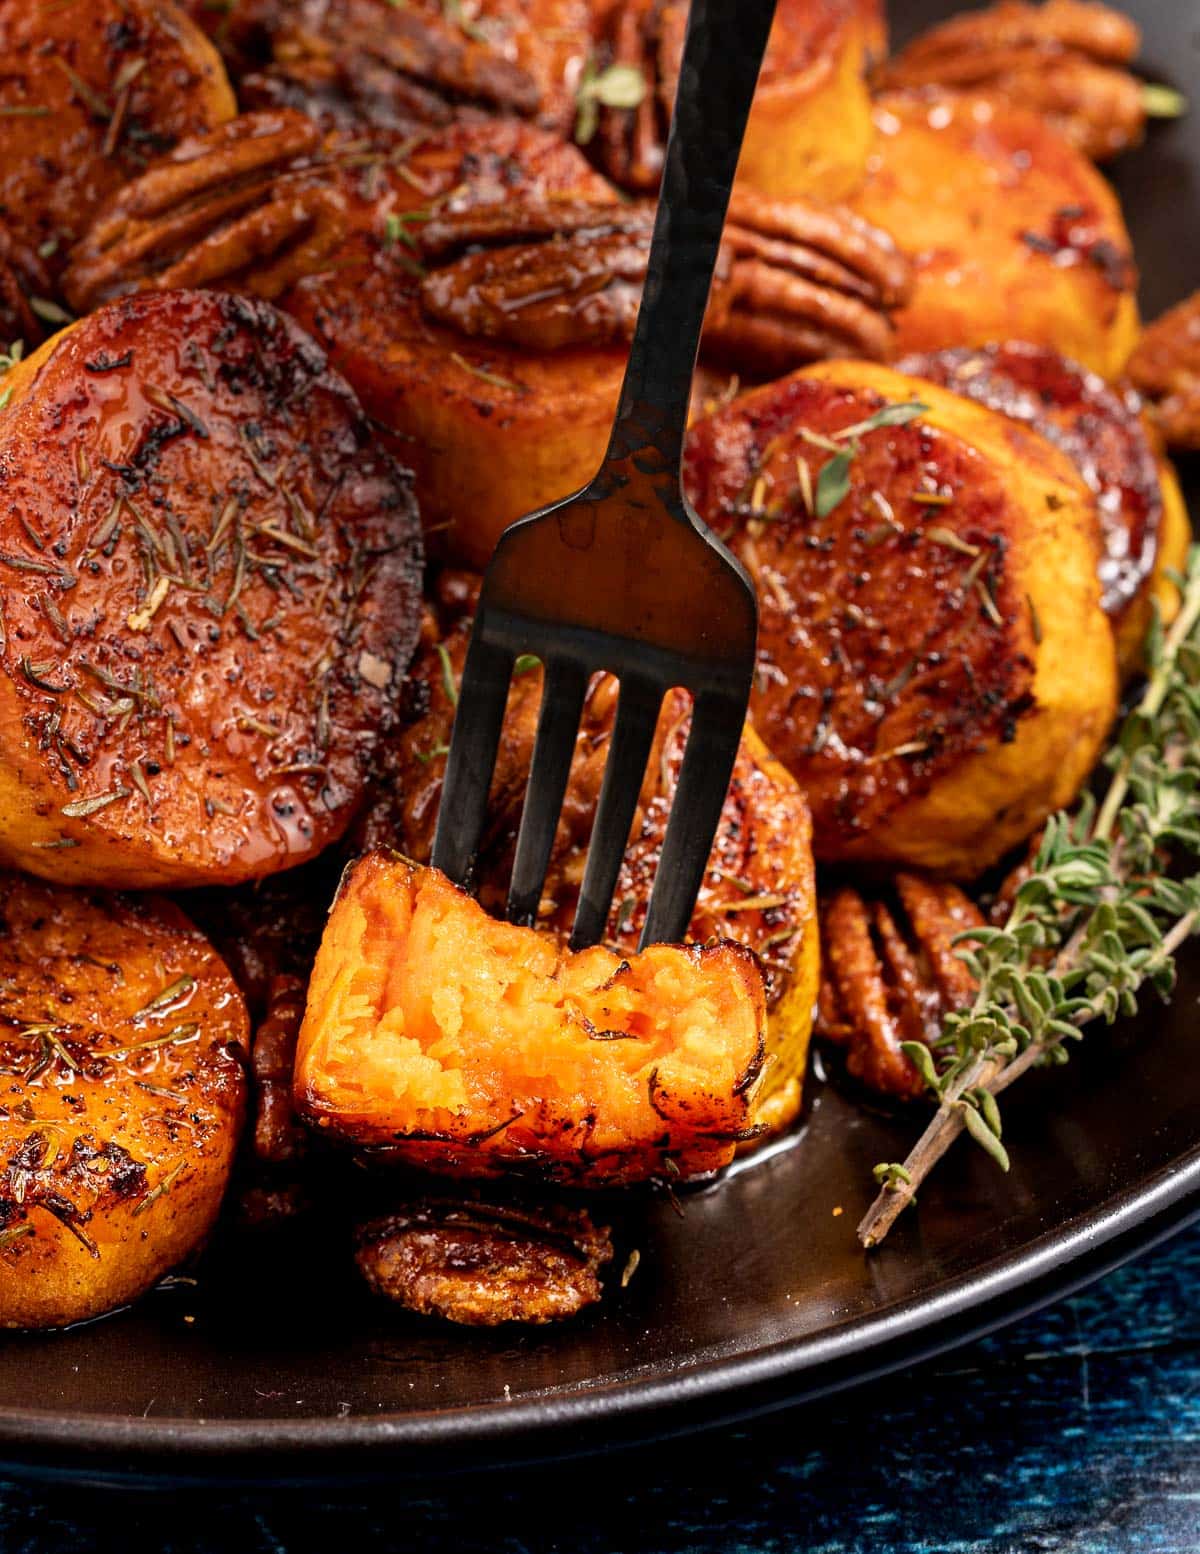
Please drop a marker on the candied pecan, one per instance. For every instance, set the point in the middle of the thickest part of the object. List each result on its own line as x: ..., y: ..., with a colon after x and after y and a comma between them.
x: 795, y: 281
x: 1166, y: 369
x: 1063, y: 59
x: 806, y: 281
x: 890, y: 975
x: 368, y: 63
x: 251, y: 200
x: 578, y: 281
x: 482, y: 1263
x: 278, y: 1134
x: 647, y: 36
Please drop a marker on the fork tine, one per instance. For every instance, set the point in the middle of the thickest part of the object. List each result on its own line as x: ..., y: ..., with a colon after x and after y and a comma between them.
x: 558, y: 725
x: 477, y: 722
x: 633, y: 734
x: 695, y: 814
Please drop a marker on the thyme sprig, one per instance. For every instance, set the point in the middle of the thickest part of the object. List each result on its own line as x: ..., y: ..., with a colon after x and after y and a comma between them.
x: 1107, y: 904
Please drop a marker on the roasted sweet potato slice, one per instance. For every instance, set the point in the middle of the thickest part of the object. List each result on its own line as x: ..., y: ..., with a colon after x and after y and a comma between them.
x: 934, y: 665
x: 759, y: 889
x: 122, y: 1043
x: 212, y: 591
x: 89, y: 92
x: 1015, y: 235
x: 465, y: 1045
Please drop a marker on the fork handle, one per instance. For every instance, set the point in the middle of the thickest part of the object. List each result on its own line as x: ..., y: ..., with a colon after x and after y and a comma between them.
x: 722, y: 54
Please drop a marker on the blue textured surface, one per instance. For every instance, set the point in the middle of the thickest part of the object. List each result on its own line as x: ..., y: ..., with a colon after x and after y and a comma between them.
x: 1076, y: 1430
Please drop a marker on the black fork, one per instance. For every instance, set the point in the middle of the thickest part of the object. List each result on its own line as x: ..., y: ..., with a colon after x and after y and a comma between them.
x: 623, y: 576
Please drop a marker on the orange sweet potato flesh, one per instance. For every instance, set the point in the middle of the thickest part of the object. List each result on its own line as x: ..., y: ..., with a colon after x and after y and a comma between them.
x: 465, y: 1045
x: 88, y: 91
x: 122, y: 1045
x: 211, y: 591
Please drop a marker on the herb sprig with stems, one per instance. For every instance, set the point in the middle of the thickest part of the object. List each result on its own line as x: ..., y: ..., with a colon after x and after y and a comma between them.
x: 1105, y: 908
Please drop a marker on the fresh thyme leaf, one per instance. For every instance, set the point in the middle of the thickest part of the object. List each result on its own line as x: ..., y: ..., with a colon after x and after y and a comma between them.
x: 619, y: 86
x: 1107, y: 903
x: 1163, y: 102
x: 448, y: 681
x: 833, y: 482
x: 890, y: 415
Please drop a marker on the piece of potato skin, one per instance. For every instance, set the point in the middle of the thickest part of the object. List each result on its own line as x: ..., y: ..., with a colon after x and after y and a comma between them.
x: 211, y: 594
x: 112, y: 1168
x: 759, y: 889
x: 1014, y: 233
x: 88, y: 91
x: 938, y: 674
x: 442, y: 1038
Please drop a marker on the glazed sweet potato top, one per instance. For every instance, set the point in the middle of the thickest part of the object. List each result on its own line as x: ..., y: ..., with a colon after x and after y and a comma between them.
x: 122, y: 1049
x: 211, y: 595
x: 914, y: 581
x: 89, y: 92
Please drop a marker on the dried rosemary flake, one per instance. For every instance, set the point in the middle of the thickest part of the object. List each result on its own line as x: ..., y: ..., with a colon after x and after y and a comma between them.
x: 138, y: 777
x: 913, y: 747
x: 804, y: 474
x: 752, y: 904
x: 990, y: 607
x: 493, y: 378
x: 81, y: 808
x: 171, y: 1038
x: 1035, y: 620
x: 951, y: 541
x: 631, y: 1267
x: 25, y: 111
x: 140, y: 619
x: 156, y: 1193
x: 15, y: 1233
x: 169, y: 995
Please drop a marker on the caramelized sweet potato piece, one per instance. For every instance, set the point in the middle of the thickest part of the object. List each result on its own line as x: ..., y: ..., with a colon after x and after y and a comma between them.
x: 468, y: 1046
x: 759, y: 888
x: 481, y: 1264
x: 479, y: 287
x: 1014, y: 234
x: 934, y: 664
x: 89, y: 93
x: 1104, y: 433
x: 213, y: 594
x: 122, y: 1043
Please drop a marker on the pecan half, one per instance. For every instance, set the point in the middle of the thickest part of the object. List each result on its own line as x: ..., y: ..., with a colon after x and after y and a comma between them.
x: 250, y: 203
x: 481, y: 1264
x: 368, y: 63
x: 890, y: 974
x: 1064, y: 59
x: 795, y: 281
x: 278, y: 1134
x: 1166, y: 369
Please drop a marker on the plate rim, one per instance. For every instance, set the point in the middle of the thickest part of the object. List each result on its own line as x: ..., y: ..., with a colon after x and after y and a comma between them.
x: 717, y: 1390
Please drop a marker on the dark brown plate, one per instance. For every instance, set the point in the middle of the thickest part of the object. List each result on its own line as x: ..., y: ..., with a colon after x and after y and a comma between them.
x: 275, y: 1366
